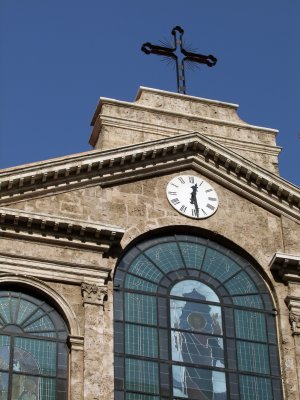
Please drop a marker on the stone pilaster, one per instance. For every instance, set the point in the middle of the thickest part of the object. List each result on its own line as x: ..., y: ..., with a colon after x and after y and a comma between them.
x: 94, y: 300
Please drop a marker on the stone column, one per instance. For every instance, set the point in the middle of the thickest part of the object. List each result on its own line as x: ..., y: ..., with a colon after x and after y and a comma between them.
x: 96, y: 386
x: 76, y: 367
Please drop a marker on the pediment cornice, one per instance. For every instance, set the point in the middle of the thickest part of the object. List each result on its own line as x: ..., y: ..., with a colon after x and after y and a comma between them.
x: 150, y: 159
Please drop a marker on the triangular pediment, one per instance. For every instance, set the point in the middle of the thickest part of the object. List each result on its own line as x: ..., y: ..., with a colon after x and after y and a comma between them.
x: 149, y: 159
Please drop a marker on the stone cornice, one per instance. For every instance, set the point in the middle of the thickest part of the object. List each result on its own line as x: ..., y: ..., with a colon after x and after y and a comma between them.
x: 286, y: 266
x: 149, y: 159
x: 60, y: 230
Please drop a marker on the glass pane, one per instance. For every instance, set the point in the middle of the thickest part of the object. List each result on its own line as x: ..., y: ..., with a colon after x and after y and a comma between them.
x: 5, y: 310
x: 192, y: 254
x: 194, y: 290
x: 132, y: 282
x: 253, y: 357
x: 198, y: 383
x: 43, y: 325
x: 250, y: 325
x: 62, y: 362
x: 141, y: 266
x: 140, y: 308
x: 133, y: 396
x: 142, y: 376
x: 254, y: 301
x: 195, y: 317
x: 35, y: 356
x: 27, y: 310
x: 240, y: 284
x: 141, y: 340
x: 255, y: 388
x: 4, y: 352
x: 219, y: 266
x: 167, y: 256
x: 25, y: 387
x: 3, y: 385
x: 197, y: 349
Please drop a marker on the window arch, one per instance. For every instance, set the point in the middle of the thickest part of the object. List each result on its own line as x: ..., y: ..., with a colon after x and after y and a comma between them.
x: 192, y: 320
x: 33, y: 349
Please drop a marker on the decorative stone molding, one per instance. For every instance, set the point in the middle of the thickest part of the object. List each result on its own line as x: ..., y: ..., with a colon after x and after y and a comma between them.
x: 93, y: 294
x: 62, y: 230
x: 76, y: 343
x: 293, y: 304
x: 287, y: 267
x: 148, y: 159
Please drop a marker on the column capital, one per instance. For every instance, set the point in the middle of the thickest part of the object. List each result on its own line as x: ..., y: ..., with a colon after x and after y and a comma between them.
x: 293, y: 304
x: 93, y: 294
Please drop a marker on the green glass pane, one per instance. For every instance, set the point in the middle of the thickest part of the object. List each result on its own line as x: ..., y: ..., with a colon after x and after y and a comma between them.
x: 192, y: 254
x: 3, y: 386
x: 35, y: 356
x: 43, y: 324
x: 26, y: 309
x: 132, y: 282
x: 254, y: 301
x: 141, y: 376
x: 241, y: 284
x: 5, y: 310
x: 141, y: 340
x: 253, y: 357
x: 134, y: 396
x: 4, y: 352
x: 219, y: 266
x: 140, y: 308
x: 250, y: 325
x: 255, y: 388
x: 141, y: 266
x: 26, y: 387
x: 167, y: 256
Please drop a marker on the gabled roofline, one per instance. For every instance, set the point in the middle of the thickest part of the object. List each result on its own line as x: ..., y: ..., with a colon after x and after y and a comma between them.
x: 149, y: 159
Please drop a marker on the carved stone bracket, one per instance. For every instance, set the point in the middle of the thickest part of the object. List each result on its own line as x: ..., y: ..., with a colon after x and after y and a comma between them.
x: 93, y: 294
x: 76, y: 342
x: 293, y: 304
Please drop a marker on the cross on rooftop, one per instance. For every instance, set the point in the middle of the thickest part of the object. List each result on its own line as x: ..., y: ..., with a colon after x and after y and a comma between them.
x: 180, y: 55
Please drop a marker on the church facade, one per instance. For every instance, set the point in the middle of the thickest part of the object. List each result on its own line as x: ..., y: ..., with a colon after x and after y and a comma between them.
x: 163, y: 264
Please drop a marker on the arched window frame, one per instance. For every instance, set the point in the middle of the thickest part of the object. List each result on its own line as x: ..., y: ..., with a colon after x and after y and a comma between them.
x: 42, y: 329
x: 239, y: 380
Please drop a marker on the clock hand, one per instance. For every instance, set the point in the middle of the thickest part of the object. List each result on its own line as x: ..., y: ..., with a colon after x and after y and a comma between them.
x: 193, y: 199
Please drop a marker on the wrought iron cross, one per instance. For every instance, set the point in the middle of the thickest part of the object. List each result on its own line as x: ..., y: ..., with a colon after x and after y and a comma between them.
x: 180, y: 55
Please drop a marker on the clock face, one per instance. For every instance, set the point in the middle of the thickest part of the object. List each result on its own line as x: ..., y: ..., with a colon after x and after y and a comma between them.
x: 192, y: 196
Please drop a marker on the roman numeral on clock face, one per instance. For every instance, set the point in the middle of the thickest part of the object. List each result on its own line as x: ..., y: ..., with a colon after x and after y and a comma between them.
x: 210, y: 206
x: 173, y: 193
x: 181, y: 179
x: 183, y: 208
x: 175, y: 201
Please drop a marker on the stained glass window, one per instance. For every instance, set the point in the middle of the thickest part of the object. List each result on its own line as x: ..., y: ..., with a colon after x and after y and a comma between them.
x: 193, y: 320
x: 33, y: 350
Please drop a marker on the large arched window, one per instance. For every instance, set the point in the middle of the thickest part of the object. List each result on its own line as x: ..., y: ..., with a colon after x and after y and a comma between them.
x: 193, y: 320
x: 33, y: 350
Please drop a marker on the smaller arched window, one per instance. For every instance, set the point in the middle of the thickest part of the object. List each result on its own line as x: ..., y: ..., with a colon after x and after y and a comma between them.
x: 33, y: 349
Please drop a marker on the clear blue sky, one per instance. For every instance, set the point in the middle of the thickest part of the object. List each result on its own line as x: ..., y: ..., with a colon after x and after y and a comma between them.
x: 58, y: 57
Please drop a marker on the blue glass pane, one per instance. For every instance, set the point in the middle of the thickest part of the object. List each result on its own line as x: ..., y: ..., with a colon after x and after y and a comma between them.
x: 132, y: 282
x: 3, y: 386
x: 27, y: 308
x: 191, y: 289
x: 43, y: 326
x: 195, y: 317
x: 141, y: 376
x: 192, y: 254
x: 141, y: 340
x: 198, y: 383
x: 167, y: 256
x: 141, y: 266
x: 250, y: 325
x: 219, y: 265
x: 4, y: 352
x: 197, y: 349
x: 253, y: 357
x: 253, y: 301
x: 241, y: 284
x: 140, y: 308
x: 255, y: 388
x: 35, y: 356
x: 5, y: 316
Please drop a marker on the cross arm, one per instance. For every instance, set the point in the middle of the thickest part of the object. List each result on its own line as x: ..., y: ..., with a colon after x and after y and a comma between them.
x: 209, y: 60
x: 149, y: 48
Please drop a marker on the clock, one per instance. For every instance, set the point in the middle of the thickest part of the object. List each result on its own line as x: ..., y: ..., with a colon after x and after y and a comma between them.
x: 192, y: 196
